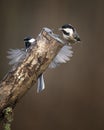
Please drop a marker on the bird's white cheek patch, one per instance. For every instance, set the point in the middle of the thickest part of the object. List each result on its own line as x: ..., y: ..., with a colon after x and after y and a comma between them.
x: 69, y: 30
x: 65, y: 36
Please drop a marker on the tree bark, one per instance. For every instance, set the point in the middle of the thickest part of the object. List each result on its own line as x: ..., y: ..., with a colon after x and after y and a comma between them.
x: 21, y: 78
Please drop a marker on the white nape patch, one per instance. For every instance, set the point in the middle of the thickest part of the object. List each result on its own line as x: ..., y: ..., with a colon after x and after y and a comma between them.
x: 62, y: 57
x: 69, y: 30
x: 32, y: 40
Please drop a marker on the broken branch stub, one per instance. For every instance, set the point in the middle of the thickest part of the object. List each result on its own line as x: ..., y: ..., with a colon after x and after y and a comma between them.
x: 22, y: 77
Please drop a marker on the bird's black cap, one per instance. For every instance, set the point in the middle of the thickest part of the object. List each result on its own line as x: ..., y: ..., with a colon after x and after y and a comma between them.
x: 27, y: 38
x: 68, y: 26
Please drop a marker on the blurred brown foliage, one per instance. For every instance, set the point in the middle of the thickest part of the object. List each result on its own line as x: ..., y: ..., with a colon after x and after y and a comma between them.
x: 74, y: 94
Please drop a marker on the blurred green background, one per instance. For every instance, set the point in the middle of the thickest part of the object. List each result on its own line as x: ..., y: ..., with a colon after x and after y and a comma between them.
x: 74, y: 94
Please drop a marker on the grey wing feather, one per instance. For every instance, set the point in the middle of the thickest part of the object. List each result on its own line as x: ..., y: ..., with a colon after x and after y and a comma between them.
x: 16, y: 56
x: 41, y: 83
x: 62, y: 57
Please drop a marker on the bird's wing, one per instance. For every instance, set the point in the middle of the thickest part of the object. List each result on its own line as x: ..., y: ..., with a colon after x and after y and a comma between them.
x: 16, y: 56
x: 62, y: 57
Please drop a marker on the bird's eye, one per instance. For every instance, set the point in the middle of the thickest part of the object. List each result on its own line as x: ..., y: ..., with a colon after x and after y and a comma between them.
x: 66, y: 33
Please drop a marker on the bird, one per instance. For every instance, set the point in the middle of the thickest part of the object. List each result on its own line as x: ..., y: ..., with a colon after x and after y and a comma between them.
x: 70, y: 34
x: 16, y: 56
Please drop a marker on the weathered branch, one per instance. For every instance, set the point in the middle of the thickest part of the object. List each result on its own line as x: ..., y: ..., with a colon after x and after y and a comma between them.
x: 21, y: 78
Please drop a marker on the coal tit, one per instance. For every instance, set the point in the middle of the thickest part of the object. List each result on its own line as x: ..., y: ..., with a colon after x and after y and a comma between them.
x: 16, y: 56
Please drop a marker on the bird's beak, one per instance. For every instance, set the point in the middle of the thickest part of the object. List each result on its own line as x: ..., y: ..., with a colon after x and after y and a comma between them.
x: 77, y: 38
